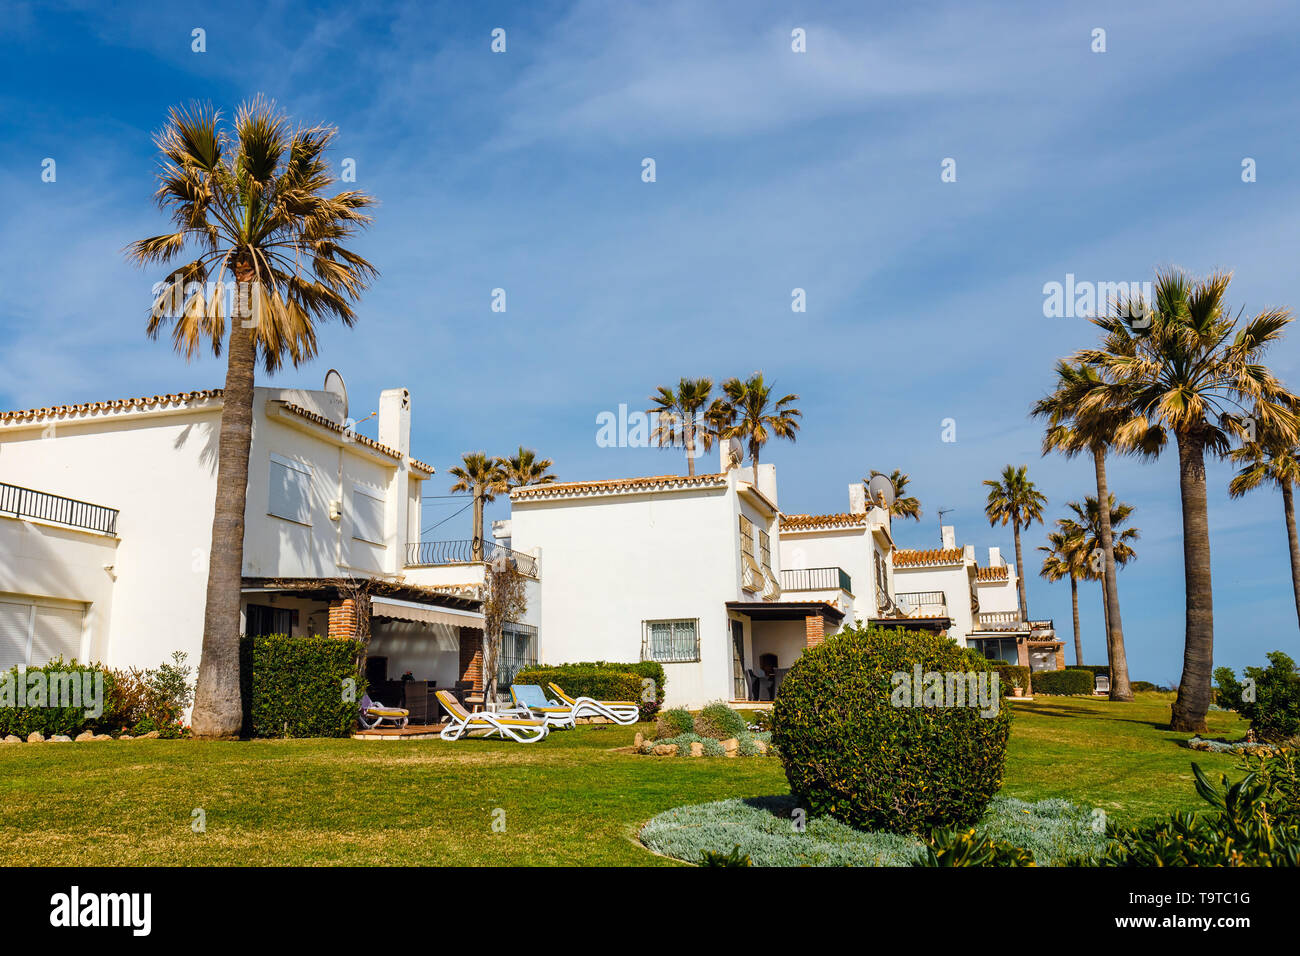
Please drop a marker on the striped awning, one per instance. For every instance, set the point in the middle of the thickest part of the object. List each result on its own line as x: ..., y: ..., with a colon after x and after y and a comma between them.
x: 394, y: 609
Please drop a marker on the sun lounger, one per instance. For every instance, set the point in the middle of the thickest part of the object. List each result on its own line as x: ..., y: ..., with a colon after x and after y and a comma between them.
x: 373, y: 714
x: 534, y: 700
x: 620, y: 711
x: 525, y: 730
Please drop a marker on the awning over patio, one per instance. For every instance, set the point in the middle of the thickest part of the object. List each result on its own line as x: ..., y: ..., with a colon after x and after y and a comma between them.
x: 786, y: 610
x: 394, y: 609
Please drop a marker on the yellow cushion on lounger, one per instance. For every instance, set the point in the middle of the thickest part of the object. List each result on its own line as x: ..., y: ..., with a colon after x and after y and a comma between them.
x: 389, y: 712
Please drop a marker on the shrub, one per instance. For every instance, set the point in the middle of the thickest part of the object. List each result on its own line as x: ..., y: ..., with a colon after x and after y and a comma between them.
x: 37, y: 716
x: 604, y: 681
x: 1274, y: 711
x: 144, y: 700
x: 850, y: 753
x: 970, y: 848
x: 1072, y: 680
x: 1012, y: 675
x: 297, y: 686
x: 673, y: 723
x: 1142, y: 685
x: 720, y: 722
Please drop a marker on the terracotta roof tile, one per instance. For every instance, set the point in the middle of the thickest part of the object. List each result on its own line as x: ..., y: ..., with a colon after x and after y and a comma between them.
x: 616, y: 485
x: 998, y: 573
x: 800, y: 522
x: 915, y: 559
x: 121, y: 404
x: 339, y: 429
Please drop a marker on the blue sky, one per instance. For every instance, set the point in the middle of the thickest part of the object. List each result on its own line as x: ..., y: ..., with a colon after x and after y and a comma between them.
x: 775, y: 170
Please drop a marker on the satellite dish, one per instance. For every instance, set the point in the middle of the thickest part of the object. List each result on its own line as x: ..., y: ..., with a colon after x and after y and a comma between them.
x: 735, y: 453
x: 878, y: 486
x: 334, y: 385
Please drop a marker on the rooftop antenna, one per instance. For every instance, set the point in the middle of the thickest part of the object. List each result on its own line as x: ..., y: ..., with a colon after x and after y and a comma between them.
x: 942, y: 512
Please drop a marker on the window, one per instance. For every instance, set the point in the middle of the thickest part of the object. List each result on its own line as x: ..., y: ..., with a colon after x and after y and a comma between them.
x: 671, y: 641
x: 518, y: 650
x: 34, y: 634
x: 367, y: 515
x: 765, y: 550
x: 746, y: 536
x: 261, y: 619
x: 290, y: 491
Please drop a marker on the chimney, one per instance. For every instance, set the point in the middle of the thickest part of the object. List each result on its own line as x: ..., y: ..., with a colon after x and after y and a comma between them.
x: 857, y: 498
x: 395, y: 432
x: 995, y: 557
x: 765, y: 481
x: 949, y: 533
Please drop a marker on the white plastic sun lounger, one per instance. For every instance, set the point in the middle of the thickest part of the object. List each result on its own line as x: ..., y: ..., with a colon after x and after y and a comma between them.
x: 532, y: 698
x: 524, y: 730
x: 620, y: 711
x: 374, y: 713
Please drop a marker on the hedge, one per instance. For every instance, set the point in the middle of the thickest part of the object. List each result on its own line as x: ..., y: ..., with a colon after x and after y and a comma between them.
x: 48, y: 720
x: 1072, y: 680
x: 1012, y: 675
x: 298, y: 686
x: 602, y: 680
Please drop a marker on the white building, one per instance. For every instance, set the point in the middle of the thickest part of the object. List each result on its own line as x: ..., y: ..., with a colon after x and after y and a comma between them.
x: 983, y: 603
x: 106, y: 518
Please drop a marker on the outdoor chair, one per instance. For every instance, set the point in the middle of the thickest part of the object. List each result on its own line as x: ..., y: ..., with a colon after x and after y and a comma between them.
x: 623, y: 712
x: 757, y: 684
x: 373, y: 714
x: 533, y: 699
x: 524, y: 730
x: 1103, y: 684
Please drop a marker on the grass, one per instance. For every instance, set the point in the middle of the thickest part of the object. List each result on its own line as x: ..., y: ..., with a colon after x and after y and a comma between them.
x: 575, y: 798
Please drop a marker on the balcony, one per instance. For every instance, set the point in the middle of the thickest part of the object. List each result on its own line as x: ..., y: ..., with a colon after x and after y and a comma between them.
x: 923, y: 603
x: 1000, y: 621
x: 25, y: 503
x: 816, y: 579
x: 430, y: 554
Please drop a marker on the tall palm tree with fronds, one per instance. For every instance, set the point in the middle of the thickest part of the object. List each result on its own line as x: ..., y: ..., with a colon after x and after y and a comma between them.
x: 1015, y: 501
x: 1063, y: 557
x: 753, y: 416
x: 485, y: 478
x: 1072, y: 430
x: 1185, y: 366
x: 1088, y: 517
x: 1273, y: 462
x: 903, y: 507
x: 525, y: 468
x: 689, y: 414
x: 249, y: 205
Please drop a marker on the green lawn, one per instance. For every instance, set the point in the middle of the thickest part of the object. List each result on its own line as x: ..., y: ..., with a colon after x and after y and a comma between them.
x: 574, y: 798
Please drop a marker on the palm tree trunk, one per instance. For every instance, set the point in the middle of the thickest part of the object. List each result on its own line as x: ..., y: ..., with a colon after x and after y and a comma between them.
x: 1105, y: 621
x: 476, y: 546
x: 1074, y: 607
x: 1195, y: 691
x: 690, y: 447
x: 1288, y: 505
x: 218, y: 710
x: 1020, y: 573
x: 1115, y: 655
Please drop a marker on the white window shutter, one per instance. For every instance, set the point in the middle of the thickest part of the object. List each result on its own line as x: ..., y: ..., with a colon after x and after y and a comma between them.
x: 14, y: 624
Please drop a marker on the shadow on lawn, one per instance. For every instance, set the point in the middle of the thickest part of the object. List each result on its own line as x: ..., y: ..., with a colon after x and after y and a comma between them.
x: 1050, y: 711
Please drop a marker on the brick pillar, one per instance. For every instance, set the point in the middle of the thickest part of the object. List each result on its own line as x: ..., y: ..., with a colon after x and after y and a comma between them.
x: 814, y: 629
x: 343, y: 619
x: 471, y: 657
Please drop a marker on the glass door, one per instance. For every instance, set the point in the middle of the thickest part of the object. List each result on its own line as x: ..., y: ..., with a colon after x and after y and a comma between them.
x: 741, y: 690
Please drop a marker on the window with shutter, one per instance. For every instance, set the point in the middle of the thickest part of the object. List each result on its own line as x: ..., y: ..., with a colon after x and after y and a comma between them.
x: 367, y: 515
x: 57, y: 634
x: 15, y: 631
x: 290, y: 490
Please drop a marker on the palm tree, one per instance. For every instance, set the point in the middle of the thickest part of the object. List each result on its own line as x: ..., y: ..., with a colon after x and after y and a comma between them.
x: 1089, y: 518
x: 1071, y: 430
x: 1279, y: 463
x: 249, y: 203
x: 484, y: 477
x: 689, y: 415
x: 751, y: 415
x: 1063, y: 557
x: 525, y: 468
x: 902, y: 507
x: 1014, y: 500
x: 1185, y: 365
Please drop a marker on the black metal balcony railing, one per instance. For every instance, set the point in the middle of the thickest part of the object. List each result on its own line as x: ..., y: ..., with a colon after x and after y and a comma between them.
x: 424, y: 554
x: 922, y: 599
x: 26, y: 503
x: 816, y: 579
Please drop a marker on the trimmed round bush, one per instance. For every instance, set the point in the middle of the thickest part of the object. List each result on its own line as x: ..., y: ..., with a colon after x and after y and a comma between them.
x: 674, y: 723
x: 857, y: 747
x: 720, y: 722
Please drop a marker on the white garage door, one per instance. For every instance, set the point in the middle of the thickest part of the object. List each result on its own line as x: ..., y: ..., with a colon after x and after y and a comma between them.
x: 34, y: 632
